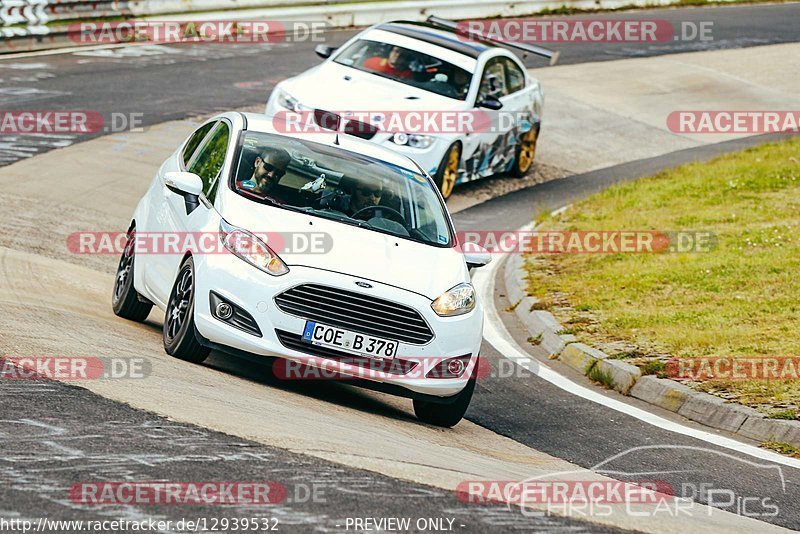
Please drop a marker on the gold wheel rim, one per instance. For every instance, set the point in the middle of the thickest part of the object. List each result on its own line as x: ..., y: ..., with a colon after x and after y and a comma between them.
x: 527, y: 150
x: 450, y: 172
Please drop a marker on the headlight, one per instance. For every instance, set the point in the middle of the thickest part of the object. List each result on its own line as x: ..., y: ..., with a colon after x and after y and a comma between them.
x: 412, y: 140
x: 289, y: 102
x: 457, y: 301
x: 251, y: 249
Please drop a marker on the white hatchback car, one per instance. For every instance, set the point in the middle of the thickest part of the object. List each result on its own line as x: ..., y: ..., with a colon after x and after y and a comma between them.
x: 402, y: 67
x: 385, y: 299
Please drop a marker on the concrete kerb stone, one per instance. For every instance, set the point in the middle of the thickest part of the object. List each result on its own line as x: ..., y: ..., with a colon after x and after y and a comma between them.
x: 627, y: 379
x: 523, y: 311
x: 662, y: 392
x: 542, y: 326
x: 515, y: 279
x: 715, y: 412
x: 622, y: 375
x: 581, y: 357
x: 761, y: 428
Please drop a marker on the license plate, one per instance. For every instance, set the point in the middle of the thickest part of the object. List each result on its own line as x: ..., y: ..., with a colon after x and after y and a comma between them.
x: 347, y: 341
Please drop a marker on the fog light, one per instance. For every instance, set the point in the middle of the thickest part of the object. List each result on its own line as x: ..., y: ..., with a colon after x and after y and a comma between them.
x: 224, y: 311
x: 450, y: 368
x: 232, y: 314
x: 455, y: 367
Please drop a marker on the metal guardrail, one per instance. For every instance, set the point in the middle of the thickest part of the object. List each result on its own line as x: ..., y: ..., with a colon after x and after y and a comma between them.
x: 23, y: 13
x: 29, y: 25
x: 42, y: 12
x: 40, y: 24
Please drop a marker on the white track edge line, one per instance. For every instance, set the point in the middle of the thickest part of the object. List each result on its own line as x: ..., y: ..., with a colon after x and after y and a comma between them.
x: 498, y: 336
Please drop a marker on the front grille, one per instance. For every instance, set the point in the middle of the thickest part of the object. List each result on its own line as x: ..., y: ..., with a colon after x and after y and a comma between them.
x: 355, y: 311
x: 397, y: 366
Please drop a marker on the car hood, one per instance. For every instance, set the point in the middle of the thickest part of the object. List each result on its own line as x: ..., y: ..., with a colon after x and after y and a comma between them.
x: 348, y: 89
x: 372, y: 256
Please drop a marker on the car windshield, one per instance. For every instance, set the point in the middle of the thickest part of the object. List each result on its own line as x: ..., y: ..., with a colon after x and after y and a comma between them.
x: 407, y: 66
x: 335, y: 184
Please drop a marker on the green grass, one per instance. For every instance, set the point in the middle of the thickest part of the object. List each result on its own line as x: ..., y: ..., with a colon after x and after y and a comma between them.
x: 740, y: 299
x: 603, y: 377
x: 789, y: 414
x: 783, y: 448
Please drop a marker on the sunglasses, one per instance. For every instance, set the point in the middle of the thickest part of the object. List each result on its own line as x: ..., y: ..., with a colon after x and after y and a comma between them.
x: 370, y: 192
x: 276, y: 172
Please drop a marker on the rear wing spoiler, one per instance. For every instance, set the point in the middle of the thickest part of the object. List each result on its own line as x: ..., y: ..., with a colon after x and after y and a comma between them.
x: 462, y: 29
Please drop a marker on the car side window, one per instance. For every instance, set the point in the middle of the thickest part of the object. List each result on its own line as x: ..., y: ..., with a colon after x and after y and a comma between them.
x: 516, y: 78
x: 493, y: 82
x: 208, y: 162
x: 194, y: 141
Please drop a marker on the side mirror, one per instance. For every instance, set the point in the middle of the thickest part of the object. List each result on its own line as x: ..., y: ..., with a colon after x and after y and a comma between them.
x: 476, y: 256
x: 186, y: 184
x: 324, y: 51
x: 490, y: 102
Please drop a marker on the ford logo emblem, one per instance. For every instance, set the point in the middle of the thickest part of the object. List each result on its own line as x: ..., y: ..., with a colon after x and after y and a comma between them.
x: 364, y: 285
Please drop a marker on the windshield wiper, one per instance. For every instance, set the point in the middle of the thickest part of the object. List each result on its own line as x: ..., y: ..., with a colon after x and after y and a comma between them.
x: 271, y: 202
x: 304, y: 209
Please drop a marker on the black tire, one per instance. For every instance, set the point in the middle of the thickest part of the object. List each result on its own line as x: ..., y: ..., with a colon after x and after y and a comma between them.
x: 180, y: 340
x: 125, y: 300
x: 522, y: 165
x: 446, y: 186
x: 445, y: 415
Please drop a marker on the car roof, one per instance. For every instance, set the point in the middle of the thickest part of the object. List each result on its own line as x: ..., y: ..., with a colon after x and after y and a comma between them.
x: 439, y: 36
x: 259, y: 122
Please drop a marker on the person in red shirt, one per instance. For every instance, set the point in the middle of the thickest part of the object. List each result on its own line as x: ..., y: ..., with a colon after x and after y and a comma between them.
x: 395, y: 65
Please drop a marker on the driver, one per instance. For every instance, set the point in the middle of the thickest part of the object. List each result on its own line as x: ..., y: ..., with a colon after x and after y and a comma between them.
x: 365, y: 195
x: 397, y: 64
x: 461, y: 83
x: 268, y: 169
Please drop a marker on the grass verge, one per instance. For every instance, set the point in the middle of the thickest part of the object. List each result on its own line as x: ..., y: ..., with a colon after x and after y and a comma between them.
x: 738, y: 300
x: 783, y: 448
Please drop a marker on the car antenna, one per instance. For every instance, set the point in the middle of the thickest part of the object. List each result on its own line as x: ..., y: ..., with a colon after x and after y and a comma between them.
x: 336, y: 140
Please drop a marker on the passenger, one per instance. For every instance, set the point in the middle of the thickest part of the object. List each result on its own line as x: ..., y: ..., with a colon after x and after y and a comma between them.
x: 268, y: 168
x: 397, y: 64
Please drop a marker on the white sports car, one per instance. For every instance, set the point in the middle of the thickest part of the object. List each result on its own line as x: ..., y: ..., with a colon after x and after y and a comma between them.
x: 402, y: 67
x: 387, y: 299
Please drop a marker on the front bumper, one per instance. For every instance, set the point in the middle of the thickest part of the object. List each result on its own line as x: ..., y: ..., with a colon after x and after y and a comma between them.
x: 253, y: 291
